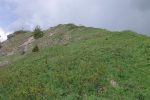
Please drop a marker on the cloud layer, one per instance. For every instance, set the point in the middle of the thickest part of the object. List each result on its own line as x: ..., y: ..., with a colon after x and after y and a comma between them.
x: 110, y: 14
x: 142, y: 5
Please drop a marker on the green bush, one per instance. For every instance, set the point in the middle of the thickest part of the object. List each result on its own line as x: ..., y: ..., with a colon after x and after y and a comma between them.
x: 35, y: 49
x: 38, y: 33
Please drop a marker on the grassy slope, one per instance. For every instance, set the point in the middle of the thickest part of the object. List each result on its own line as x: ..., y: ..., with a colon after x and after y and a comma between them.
x: 82, y: 67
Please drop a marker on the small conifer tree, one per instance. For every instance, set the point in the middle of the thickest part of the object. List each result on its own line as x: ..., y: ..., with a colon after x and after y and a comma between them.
x: 38, y: 33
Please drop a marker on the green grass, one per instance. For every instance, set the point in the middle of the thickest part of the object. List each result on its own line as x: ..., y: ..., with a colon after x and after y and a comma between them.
x: 83, y: 68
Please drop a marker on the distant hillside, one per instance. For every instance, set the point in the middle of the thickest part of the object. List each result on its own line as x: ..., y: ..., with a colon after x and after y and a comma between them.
x: 76, y: 63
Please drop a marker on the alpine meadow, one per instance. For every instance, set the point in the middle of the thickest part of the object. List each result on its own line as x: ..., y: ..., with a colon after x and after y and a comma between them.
x: 70, y: 62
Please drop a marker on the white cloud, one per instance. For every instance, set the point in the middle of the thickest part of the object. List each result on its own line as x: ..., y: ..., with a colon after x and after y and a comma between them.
x: 3, y: 35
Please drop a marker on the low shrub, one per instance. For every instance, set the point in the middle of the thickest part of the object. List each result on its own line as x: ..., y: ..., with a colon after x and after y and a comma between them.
x: 35, y: 49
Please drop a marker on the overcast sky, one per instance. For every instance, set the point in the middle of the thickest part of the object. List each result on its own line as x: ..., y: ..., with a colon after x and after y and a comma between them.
x: 110, y: 14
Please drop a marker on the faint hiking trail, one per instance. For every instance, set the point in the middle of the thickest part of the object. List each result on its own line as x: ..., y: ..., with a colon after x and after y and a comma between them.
x: 24, y: 47
x: 29, y: 41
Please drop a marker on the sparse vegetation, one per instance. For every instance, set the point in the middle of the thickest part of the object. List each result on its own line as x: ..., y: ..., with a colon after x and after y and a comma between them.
x: 20, y: 32
x: 96, y: 64
x: 1, y: 45
x: 16, y: 33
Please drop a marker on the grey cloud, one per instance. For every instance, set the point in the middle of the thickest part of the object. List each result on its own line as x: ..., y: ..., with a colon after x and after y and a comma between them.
x: 142, y: 5
x: 110, y: 14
